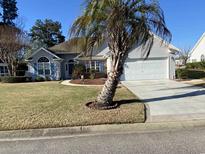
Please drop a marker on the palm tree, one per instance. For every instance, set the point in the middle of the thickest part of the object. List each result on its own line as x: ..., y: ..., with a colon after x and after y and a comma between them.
x: 120, y: 24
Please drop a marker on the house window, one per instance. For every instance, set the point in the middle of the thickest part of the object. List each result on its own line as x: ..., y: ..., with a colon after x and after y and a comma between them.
x: 98, y: 66
x: 43, y: 66
x: 202, y: 58
x: 87, y: 66
x: 4, y: 71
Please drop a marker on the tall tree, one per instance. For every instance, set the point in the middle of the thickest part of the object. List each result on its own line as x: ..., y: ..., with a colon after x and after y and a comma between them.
x: 184, y: 55
x: 12, y: 42
x: 9, y: 11
x: 47, y: 32
x: 121, y: 24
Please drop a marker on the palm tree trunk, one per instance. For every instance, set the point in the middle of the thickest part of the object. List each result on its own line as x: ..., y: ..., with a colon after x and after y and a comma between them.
x: 105, y: 98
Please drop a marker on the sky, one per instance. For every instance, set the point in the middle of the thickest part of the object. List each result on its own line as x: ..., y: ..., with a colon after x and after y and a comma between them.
x: 185, y: 18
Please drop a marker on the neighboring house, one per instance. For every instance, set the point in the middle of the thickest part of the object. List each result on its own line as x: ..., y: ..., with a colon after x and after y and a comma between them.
x: 198, y: 52
x: 58, y: 61
x: 3, y: 69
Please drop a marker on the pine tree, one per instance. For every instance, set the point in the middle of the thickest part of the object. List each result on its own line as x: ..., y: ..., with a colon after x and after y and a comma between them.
x: 9, y: 11
x: 47, y: 32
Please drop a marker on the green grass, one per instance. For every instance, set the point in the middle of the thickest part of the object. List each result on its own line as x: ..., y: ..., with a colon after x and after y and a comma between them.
x: 50, y: 104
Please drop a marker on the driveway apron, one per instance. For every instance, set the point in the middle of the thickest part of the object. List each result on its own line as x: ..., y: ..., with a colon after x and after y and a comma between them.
x: 168, y: 100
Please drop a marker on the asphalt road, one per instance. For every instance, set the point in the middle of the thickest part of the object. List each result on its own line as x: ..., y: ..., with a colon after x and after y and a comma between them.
x: 170, y: 142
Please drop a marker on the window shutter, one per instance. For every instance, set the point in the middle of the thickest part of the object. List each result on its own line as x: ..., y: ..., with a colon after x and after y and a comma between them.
x: 52, y: 69
x: 35, y: 68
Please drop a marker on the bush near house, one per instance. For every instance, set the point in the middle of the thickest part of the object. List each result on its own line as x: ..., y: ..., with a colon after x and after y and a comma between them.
x: 194, y: 70
x: 182, y: 74
x: 78, y: 70
x: 39, y: 79
x: 96, y: 75
x: 15, y: 79
x: 92, y: 74
x: 196, y: 66
x: 189, y: 74
x: 21, y: 69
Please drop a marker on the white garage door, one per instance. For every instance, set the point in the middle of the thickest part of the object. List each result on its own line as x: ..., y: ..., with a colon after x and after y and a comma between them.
x: 150, y: 69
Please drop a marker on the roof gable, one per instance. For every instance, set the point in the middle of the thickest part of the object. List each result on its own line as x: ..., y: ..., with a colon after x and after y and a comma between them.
x: 157, y: 40
x: 198, y: 43
x: 33, y: 54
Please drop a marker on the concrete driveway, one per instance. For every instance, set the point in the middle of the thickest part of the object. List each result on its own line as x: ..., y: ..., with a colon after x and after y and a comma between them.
x: 168, y: 100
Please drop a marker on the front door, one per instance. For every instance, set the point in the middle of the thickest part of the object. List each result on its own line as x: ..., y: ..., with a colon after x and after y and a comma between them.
x: 69, y: 69
x: 66, y: 71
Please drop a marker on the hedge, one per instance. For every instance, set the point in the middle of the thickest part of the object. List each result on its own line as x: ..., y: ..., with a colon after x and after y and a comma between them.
x: 182, y: 74
x: 189, y: 74
x: 15, y: 79
x: 196, y: 65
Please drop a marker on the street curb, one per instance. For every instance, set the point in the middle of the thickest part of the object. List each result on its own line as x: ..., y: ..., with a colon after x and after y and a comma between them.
x: 102, y: 129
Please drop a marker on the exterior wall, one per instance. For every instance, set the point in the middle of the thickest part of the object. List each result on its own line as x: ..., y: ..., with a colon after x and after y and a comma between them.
x: 198, y: 50
x: 158, y: 52
x: 66, y: 58
x: 172, y: 67
x: 55, y: 73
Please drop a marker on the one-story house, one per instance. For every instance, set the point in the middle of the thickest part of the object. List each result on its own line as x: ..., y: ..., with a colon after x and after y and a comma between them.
x: 58, y: 62
x: 198, y: 52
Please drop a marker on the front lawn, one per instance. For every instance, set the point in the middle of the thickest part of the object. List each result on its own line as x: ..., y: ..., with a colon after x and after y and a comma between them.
x: 50, y: 104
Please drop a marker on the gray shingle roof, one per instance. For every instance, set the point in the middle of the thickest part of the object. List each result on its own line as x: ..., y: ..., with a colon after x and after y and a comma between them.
x: 71, y: 46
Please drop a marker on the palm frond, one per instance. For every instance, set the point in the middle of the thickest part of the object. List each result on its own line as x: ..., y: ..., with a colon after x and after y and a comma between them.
x: 121, y: 24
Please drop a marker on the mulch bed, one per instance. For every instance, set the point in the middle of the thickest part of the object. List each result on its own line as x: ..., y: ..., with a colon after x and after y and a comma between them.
x: 100, y: 81
x: 94, y: 105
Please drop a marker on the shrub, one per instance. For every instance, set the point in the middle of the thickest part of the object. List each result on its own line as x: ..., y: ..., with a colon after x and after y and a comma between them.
x: 196, y: 65
x: 92, y: 74
x: 48, y: 78
x: 182, y: 74
x: 21, y: 69
x: 39, y: 79
x: 15, y: 79
x: 196, y: 74
x: 189, y: 74
x: 78, y: 70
